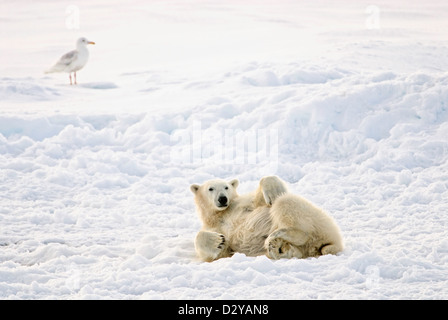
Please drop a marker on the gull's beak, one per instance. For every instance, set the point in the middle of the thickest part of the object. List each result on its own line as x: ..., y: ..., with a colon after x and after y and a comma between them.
x: 90, y: 42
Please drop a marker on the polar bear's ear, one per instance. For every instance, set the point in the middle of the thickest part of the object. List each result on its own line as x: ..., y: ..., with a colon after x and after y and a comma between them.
x: 194, y: 188
x: 234, y: 183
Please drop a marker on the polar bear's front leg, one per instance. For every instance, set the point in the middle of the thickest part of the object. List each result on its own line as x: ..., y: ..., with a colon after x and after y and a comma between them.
x: 269, y: 190
x: 211, y: 246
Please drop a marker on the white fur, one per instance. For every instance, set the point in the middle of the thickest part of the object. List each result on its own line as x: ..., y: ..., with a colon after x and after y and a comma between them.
x: 268, y: 221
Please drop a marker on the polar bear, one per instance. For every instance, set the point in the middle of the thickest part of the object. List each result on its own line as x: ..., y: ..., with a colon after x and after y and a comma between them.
x: 269, y: 221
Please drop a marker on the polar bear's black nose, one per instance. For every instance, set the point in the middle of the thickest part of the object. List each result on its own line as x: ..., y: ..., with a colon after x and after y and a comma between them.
x: 222, y: 200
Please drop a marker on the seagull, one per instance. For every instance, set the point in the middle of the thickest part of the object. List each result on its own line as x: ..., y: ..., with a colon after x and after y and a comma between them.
x: 74, y: 60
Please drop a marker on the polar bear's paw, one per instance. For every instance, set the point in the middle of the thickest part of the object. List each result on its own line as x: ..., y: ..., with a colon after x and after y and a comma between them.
x: 221, y: 241
x: 215, y: 241
x: 279, y: 248
x: 272, y: 187
x: 211, y: 245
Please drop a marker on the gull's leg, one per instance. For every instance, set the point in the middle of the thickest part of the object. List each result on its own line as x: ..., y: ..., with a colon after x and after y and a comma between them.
x: 75, y: 77
x: 70, y: 76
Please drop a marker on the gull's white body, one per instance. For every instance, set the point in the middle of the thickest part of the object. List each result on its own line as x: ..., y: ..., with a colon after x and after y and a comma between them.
x: 74, y: 60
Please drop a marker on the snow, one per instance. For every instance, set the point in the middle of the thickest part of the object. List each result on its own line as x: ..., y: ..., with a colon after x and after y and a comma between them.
x: 346, y: 102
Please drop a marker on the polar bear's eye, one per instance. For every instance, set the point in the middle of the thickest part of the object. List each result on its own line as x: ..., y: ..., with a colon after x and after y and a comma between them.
x: 227, y: 188
x: 210, y: 189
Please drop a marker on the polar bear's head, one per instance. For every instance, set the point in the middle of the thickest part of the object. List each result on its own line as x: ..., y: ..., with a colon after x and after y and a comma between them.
x: 215, y: 195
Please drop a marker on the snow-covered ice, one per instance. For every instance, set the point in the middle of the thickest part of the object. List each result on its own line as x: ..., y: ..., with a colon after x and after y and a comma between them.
x: 347, y: 101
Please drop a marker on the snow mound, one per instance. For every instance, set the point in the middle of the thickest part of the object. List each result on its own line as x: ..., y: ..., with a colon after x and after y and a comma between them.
x: 12, y: 89
x: 299, y: 74
x: 99, y: 85
x: 112, y: 191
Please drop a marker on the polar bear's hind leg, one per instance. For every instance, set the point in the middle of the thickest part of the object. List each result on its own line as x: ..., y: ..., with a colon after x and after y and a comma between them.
x: 278, y: 248
x: 330, y: 249
x: 285, y: 243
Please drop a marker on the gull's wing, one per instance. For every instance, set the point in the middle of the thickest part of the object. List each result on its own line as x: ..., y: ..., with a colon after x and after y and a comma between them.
x: 68, y: 58
x: 64, y: 62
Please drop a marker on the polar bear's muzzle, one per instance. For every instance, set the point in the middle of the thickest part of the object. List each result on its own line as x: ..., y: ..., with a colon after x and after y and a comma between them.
x: 223, y: 201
